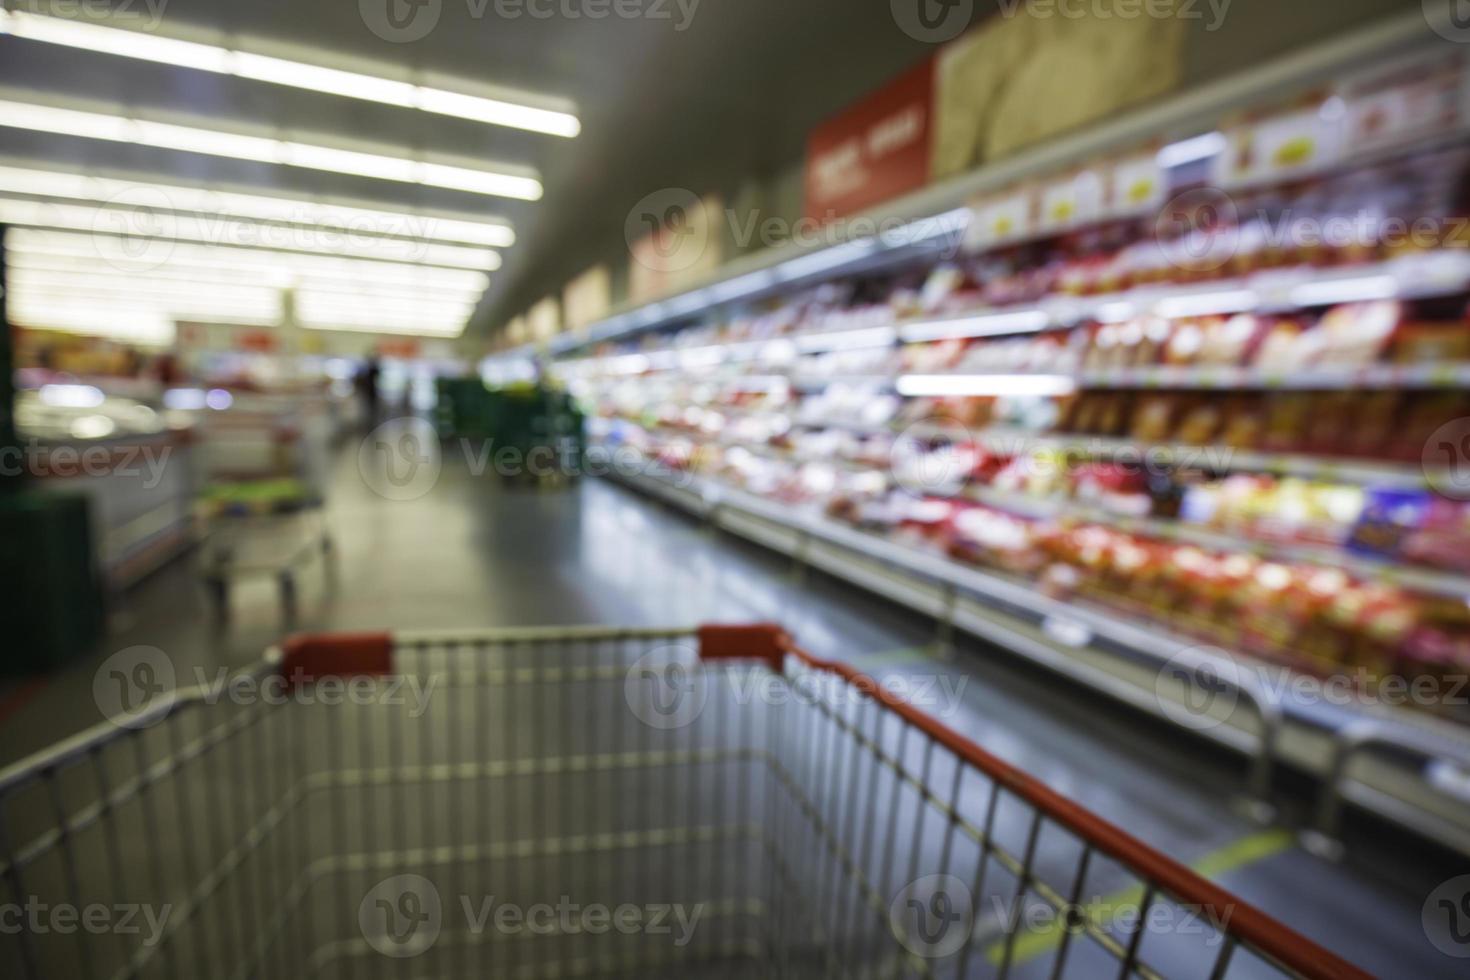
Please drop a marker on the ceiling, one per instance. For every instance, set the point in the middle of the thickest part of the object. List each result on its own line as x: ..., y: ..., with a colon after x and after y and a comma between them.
x: 730, y: 96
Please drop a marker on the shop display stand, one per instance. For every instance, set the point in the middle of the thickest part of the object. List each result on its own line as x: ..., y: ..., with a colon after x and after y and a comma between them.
x: 1124, y: 660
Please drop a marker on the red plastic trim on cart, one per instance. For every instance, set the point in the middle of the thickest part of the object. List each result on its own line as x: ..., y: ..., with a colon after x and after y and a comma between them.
x: 1248, y: 923
x: 310, y: 657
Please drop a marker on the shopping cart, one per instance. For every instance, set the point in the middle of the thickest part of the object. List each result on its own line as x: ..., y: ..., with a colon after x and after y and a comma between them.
x: 263, y: 510
x: 576, y: 802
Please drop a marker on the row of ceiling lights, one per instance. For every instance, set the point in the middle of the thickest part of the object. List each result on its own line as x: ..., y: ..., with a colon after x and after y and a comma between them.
x: 172, y: 252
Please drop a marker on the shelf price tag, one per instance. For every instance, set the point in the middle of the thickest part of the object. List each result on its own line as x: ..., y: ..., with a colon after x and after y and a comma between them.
x: 1002, y: 218
x: 1073, y: 200
x: 1136, y: 184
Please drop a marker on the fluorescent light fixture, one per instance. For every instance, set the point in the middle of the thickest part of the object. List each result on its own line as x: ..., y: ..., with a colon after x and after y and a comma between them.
x: 61, y: 272
x: 825, y: 260
x: 121, y: 253
x: 282, y: 71
x: 141, y: 328
x: 237, y: 146
x: 863, y: 339
x: 228, y: 231
x: 1331, y: 291
x: 71, y: 396
x: 256, y: 207
x: 1205, y: 304
x: 985, y: 385
x: 142, y: 292
x: 984, y: 325
x: 1192, y: 150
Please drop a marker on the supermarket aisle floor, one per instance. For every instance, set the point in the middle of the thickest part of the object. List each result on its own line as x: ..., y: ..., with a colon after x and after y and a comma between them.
x: 472, y: 553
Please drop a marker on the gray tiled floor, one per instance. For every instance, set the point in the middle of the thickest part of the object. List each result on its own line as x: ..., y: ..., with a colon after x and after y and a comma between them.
x: 472, y: 553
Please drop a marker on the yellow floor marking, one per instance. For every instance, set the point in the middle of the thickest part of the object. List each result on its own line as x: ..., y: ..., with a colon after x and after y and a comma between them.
x: 1231, y: 857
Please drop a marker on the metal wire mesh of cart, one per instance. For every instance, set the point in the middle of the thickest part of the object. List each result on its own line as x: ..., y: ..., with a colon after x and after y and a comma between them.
x: 579, y: 802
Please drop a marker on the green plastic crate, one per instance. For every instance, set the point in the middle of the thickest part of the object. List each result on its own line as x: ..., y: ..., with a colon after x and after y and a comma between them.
x: 52, y: 607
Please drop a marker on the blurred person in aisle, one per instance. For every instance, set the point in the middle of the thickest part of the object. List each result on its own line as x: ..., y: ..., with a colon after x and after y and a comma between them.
x: 367, y: 390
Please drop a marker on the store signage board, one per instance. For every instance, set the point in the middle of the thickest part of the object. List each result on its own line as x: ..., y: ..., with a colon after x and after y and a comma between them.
x: 878, y: 149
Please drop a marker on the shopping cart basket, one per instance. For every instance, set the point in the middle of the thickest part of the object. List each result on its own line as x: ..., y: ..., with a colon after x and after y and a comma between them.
x: 263, y: 513
x: 576, y: 802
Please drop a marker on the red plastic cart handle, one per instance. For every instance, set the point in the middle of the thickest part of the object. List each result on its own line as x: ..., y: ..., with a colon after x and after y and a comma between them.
x: 771, y: 644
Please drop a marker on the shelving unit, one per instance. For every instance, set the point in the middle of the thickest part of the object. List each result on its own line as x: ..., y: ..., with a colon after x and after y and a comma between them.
x: 1123, y: 657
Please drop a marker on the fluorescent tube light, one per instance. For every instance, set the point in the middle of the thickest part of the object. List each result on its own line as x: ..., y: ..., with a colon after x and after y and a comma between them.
x: 283, y: 71
x: 233, y: 232
x: 984, y: 386
x: 211, y: 142
x: 985, y: 325
x: 256, y: 207
x: 286, y: 266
